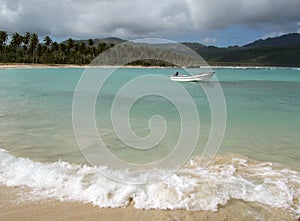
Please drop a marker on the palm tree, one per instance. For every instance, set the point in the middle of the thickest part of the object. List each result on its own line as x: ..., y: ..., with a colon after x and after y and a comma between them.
x: 25, y: 48
x: 70, y: 45
x: 54, y: 47
x: 102, y: 47
x: 34, y: 40
x: 47, y: 41
x: 3, y: 39
x: 91, y: 44
x: 62, y: 52
x: 82, y: 50
x: 16, y: 42
x: 39, y: 51
x: 76, y: 48
x: 26, y: 40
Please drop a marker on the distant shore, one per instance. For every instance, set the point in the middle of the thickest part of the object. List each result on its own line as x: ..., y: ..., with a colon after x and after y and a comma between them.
x: 19, y: 65
x: 25, y: 66
x: 10, y: 65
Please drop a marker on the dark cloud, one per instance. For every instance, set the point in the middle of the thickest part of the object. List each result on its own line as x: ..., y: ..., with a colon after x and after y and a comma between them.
x: 144, y: 18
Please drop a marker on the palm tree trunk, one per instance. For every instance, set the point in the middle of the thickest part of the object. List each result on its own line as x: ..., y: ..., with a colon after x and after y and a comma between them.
x: 33, y: 56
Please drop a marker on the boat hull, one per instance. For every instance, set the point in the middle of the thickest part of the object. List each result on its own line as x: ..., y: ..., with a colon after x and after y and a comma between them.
x: 203, y: 77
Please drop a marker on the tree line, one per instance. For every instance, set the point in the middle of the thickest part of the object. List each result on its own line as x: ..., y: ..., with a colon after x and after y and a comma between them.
x: 28, y: 48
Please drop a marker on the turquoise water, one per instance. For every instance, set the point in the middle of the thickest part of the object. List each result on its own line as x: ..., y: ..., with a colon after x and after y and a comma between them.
x: 258, y: 160
x: 263, y: 112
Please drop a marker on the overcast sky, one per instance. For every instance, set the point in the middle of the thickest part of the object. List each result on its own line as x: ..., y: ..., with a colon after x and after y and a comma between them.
x: 212, y: 22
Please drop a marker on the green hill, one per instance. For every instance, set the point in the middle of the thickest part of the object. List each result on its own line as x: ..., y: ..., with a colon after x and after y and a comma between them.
x: 287, y: 40
x: 279, y: 51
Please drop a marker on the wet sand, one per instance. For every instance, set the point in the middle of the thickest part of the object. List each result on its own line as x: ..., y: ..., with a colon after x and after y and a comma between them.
x: 16, y: 204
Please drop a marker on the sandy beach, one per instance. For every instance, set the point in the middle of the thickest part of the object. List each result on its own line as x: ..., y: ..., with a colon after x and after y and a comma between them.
x: 17, y: 204
x: 26, y: 66
x: 22, y: 65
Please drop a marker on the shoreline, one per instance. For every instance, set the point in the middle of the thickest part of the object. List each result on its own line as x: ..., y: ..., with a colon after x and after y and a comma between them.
x: 17, y: 205
x: 22, y: 202
x: 29, y: 66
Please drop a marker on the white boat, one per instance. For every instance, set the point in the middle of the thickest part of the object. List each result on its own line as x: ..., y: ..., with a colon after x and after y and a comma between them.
x: 197, y: 77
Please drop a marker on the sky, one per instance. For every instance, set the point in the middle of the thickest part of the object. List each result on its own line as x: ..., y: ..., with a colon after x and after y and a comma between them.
x: 211, y: 22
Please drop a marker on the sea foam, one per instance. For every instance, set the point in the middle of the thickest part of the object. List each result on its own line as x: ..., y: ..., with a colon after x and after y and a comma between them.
x: 191, y: 188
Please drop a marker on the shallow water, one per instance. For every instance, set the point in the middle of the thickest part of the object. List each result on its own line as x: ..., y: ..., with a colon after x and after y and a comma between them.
x: 263, y: 124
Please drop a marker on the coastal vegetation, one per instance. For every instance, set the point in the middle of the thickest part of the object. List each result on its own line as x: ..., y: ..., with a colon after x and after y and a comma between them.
x: 30, y: 48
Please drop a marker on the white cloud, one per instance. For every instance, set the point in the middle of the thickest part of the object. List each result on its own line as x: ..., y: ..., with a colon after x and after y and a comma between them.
x: 209, y: 41
x: 273, y: 34
x: 143, y: 18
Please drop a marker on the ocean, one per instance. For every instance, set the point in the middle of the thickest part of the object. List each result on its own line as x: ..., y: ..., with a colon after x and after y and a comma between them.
x: 258, y: 160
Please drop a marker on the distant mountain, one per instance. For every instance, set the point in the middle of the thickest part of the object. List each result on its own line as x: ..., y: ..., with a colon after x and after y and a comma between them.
x: 110, y: 40
x: 194, y: 46
x: 278, y: 51
x: 287, y: 40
